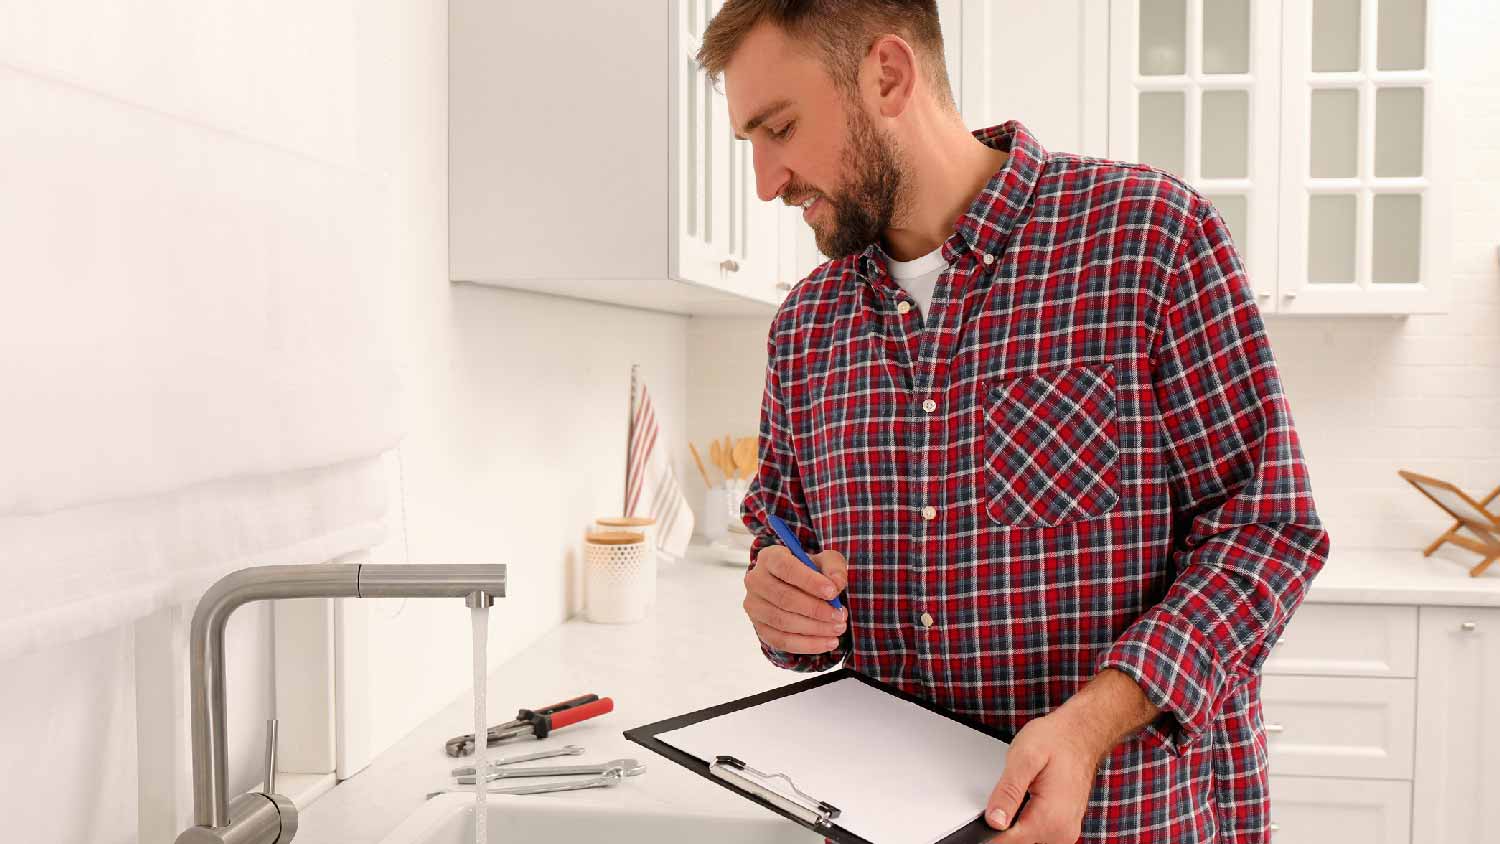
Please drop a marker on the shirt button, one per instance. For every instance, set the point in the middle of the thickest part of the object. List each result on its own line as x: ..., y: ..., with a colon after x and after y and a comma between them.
x: 926, y: 619
x: 929, y: 405
x: 929, y: 513
x: 903, y: 308
x: 988, y: 259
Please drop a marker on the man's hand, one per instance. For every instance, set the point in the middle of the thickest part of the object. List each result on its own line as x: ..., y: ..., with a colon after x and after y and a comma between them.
x: 788, y: 602
x: 1056, y: 756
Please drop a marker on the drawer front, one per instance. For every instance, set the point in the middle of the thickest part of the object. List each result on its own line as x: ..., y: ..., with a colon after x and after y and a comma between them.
x: 1317, y: 811
x: 1347, y: 640
x: 1352, y: 727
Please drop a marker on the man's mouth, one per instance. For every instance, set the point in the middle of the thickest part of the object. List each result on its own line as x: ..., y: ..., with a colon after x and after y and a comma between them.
x: 809, y: 205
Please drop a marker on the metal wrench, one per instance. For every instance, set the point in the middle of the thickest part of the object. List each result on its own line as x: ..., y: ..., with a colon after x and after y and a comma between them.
x: 627, y: 767
x: 609, y: 779
x: 570, y: 750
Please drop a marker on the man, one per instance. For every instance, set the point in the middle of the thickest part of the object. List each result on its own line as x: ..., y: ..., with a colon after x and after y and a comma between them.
x: 1029, y: 420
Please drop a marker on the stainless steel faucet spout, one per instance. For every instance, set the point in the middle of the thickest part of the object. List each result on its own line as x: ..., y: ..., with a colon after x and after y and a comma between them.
x: 211, y: 807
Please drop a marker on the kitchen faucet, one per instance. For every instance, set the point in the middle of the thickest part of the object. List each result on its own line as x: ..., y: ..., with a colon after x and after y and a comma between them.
x: 271, y: 818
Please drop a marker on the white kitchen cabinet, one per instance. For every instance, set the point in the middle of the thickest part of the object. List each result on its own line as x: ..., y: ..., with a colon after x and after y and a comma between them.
x: 1352, y: 727
x: 1043, y: 64
x: 1457, y: 795
x: 1310, y: 810
x: 1383, y: 724
x: 1317, y: 127
x: 589, y: 157
x: 1347, y: 640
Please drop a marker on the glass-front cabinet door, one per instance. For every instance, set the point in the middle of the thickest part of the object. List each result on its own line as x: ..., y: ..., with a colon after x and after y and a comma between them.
x: 1194, y: 86
x: 1364, y: 198
x: 1313, y: 125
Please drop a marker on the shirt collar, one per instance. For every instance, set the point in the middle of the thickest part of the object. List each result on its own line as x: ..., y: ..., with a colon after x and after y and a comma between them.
x: 999, y: 207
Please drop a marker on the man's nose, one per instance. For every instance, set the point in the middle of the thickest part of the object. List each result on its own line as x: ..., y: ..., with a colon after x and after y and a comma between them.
x: 770, y: 176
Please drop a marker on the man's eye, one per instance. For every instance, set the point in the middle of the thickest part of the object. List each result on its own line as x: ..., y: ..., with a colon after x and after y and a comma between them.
x: 784, y: 132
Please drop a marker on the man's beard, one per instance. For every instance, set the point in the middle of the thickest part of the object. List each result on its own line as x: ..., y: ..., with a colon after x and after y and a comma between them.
x: 873, y: 194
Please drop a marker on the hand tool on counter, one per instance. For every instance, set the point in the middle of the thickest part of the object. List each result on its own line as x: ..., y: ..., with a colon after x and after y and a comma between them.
x: 569, y: 750
x: 609, y: 779
x: 630, y: 768
x: 537, y: 722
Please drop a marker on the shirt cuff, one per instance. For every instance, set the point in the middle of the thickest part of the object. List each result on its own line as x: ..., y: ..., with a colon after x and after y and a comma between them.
x: 1179, y: 670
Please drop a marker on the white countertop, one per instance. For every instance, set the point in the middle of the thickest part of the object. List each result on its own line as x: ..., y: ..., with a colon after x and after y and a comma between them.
x: 1367, y: 576
x: 696, y: 650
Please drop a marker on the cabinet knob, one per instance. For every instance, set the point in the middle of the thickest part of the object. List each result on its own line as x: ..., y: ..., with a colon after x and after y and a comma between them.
x: 1468, y: 626
x: 729, y: 265
x: 783, y: 285
x: 1272, y: 729
x: 1275, y: 828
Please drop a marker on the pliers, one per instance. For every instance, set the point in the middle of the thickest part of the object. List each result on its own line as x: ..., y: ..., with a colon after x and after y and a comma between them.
x: 537, y: 722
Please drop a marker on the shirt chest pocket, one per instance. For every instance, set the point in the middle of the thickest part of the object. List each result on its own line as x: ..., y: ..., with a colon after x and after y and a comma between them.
x: 1051, y: 447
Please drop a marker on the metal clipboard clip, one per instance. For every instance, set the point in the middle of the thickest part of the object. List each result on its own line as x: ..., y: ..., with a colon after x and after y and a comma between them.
x: 799, y: 803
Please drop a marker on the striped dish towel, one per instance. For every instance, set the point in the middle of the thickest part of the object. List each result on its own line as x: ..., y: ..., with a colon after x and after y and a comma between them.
x: 651, y: 487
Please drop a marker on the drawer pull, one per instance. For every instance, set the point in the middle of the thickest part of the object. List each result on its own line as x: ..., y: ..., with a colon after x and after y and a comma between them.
x: 1275, y: 828
x: 1273, y: 729
x: 1468, y: 626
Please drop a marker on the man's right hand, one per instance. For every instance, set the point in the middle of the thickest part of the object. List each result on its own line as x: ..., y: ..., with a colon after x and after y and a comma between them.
x: 788, y: 602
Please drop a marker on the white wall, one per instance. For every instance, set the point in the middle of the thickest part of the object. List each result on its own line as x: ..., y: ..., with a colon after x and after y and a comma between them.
x: 516, y: 407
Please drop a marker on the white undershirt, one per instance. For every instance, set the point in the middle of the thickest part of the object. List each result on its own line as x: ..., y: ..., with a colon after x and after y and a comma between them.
x: 918, y: 277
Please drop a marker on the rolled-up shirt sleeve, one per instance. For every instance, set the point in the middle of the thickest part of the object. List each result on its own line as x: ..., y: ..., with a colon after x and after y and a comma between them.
x: 776, y: 488
x: 1247, y: 538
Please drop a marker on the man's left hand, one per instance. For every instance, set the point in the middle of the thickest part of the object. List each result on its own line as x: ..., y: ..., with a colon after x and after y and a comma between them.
x: 1056, y: 762
x: 1056, y: 756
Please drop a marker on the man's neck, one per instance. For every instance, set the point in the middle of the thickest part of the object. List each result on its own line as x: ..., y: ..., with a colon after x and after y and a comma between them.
x: 948, y: 172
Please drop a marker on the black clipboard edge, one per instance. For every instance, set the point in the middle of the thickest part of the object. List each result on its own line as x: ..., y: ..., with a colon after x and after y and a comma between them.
x: 974, y: 832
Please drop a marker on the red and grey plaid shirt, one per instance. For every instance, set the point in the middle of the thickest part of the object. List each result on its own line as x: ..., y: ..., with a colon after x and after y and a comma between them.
x: 1082, y: 457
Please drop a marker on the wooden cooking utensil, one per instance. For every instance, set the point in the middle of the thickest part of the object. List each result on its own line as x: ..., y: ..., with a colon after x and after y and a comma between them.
x: 699, y: 460
x: 744, y: 456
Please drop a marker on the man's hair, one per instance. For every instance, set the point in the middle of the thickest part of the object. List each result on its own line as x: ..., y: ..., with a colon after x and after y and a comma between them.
x: 838, y: 32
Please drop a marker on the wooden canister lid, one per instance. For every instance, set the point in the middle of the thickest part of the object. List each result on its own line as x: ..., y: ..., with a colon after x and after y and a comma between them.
x: 616, y: 537
x: 626, y: 521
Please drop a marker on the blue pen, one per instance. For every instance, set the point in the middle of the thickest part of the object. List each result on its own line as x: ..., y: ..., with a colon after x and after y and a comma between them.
x: 790, y: 541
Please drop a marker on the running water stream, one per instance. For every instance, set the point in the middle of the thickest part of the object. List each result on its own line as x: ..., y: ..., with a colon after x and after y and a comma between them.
x: 481, y: 619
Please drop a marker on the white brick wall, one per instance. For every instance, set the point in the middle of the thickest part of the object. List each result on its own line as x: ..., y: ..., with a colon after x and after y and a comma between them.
x: 1375, y: 394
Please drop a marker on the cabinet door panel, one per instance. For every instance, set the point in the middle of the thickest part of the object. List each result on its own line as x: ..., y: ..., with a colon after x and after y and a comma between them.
x: 1362, y: 104
x: 1193, y: 90
x: 1339, y: 726
x: 1351, y: 640
x: 1057, y: 86
x: 1309, y: 810
x: 1458, y: 726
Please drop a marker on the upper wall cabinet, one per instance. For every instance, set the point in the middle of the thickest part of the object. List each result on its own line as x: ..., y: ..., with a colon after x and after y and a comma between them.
x: 590, y: 157
x: 1040, y: 63
x: 1315, y: 126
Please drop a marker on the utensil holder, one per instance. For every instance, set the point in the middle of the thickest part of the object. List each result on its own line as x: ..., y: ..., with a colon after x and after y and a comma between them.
x: 620, y: 579
x: 714, y: 525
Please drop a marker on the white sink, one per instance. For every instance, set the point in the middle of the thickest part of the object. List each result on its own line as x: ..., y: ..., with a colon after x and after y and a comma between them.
x: 545, y: 819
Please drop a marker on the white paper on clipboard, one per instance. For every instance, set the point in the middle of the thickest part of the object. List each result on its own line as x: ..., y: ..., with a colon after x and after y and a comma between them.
x: 898, y: 773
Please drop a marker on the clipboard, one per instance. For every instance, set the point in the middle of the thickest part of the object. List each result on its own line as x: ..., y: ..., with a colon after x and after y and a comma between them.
x: 761, y: 782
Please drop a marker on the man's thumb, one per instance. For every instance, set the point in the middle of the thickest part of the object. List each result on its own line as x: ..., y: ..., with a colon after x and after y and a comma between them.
x: 1005, y: 799
x: 833, y: 565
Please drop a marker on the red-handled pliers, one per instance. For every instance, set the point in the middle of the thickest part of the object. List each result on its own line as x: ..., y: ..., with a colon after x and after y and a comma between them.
x: 538, y: 722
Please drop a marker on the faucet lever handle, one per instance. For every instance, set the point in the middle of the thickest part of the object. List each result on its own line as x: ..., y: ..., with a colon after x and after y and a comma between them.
x: 271, y: 732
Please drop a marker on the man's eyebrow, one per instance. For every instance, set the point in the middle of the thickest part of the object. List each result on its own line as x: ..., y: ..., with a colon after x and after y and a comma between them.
x: 764, y: 115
